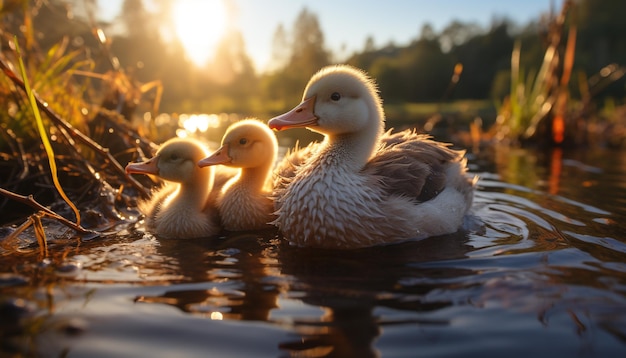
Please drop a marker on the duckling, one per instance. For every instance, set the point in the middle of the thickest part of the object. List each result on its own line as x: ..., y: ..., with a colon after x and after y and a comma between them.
x: 244, y: 202
x: 362, y: 186
x: 181, y: 208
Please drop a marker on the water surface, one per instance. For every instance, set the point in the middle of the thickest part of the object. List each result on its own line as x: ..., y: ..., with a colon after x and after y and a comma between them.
x: 538, y: 269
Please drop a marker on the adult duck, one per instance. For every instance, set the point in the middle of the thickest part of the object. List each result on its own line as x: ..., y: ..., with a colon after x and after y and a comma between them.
x: 244, y: 202
x: 182, y: 207
x: 360, y: 186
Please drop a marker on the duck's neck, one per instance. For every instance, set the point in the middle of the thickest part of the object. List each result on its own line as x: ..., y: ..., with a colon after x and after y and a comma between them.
x: 195, y: 192
x: 352, y: 150
x: 254, y: 179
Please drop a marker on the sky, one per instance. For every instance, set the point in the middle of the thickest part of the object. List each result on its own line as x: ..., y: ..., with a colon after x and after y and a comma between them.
x: 347, y: 23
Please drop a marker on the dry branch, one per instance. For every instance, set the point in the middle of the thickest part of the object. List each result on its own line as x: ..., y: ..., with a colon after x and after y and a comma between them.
x: 28, y: 200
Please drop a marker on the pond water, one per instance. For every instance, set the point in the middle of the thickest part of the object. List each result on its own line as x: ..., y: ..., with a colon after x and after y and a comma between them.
x: 539, y: 269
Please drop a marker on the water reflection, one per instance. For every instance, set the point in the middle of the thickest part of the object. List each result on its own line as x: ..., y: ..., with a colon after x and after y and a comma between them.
x: 349, y: 286
x: 540, y: 263
x: 227, y: 277
x: 255, y: 277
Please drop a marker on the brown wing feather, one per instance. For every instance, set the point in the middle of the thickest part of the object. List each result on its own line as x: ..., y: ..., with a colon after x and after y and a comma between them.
x: 412, y: 165
x: 286, y: 168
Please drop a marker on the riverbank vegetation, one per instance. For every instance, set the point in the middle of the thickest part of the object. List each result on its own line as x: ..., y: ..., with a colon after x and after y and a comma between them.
x: 100, y: 93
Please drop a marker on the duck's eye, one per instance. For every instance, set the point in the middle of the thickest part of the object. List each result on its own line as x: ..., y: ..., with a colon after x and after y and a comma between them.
x: 243, y: 141
x: 335, y: 96
x: 174, y: 157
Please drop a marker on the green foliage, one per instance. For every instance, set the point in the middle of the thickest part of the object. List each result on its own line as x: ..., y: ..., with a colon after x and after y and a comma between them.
x: 43, y: 134
x: 53, y: 76
x: 528, y: 101
x: 57, y: 81
x: 539, y: 100
x: 417, y: 72
x: 483, y: 56
x: 420, y: 72
x: 306, y: 54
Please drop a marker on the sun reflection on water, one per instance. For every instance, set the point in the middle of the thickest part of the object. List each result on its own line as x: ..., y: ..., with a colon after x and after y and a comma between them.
x: 196, y: 124
x: 217, y: 316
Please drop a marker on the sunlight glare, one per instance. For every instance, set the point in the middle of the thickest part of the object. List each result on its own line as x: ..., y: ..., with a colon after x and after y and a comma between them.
x: 199, y: 25
x: 217, y: 316
x: 191, y: 124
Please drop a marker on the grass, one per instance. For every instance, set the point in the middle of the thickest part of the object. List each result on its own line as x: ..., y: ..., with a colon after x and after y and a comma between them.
x: 536, y: 109
x: 59, y: 131
x: 45, y: 140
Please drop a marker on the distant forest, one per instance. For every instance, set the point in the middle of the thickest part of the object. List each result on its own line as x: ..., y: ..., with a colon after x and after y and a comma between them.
x: 418, y: 72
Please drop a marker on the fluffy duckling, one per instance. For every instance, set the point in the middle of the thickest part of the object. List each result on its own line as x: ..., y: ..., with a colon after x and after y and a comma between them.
x: 244, y: 202
x: 181, y: 208
x: 362, y: 187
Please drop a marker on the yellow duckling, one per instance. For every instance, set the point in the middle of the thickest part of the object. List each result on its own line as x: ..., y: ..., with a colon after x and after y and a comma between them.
x: 181, y: 208
x: 244, y: 202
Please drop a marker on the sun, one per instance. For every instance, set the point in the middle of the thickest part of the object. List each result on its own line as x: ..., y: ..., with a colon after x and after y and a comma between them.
x: 199, y: 25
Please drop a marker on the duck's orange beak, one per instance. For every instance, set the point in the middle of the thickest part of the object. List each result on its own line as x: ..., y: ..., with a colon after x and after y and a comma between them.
x: 147, y: 167
x: 220, y: 156
x: 301, y: 116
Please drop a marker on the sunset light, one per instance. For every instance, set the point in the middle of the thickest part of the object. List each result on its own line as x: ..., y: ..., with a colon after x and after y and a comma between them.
x: 199, y: 25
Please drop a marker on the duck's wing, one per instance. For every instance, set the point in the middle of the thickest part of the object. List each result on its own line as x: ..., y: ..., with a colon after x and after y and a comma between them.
x: 286, y: 169
x: 152, y: 206
x: 412, y: 165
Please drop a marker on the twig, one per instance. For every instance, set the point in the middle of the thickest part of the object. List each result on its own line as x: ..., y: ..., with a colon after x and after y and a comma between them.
x: 28, y: 200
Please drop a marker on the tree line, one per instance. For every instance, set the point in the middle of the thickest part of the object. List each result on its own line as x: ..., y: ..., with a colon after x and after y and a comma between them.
x: 420, y: 71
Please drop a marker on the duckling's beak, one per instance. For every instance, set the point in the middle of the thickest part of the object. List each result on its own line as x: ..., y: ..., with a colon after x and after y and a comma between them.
x: 148, y: 167
x: 301, y: 116
x: 220, y: 156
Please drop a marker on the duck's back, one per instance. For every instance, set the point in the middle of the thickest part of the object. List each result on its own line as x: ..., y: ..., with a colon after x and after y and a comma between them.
x: 411, y: 188
x: 413, y: 165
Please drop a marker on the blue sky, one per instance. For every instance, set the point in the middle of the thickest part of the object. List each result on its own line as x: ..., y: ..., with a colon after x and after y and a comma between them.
x: 347, y: 23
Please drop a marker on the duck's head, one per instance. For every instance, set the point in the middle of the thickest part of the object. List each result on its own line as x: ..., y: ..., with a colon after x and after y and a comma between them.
x: 174, y: 161
x: 246, y: 144
x: 337, y: 100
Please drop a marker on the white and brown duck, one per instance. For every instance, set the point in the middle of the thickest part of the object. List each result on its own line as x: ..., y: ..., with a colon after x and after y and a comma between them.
x: 362, y: 186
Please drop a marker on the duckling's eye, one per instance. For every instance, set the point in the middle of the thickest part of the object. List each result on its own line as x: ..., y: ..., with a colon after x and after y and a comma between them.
x: 243, y: 141
x: 335, y: 96
x: 174, y: 157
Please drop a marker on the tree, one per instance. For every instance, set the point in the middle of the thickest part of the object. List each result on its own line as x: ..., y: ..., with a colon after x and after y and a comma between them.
x: 140, y: 49
x: 601, y: 43
x: 135, y: 18
x: 420, y: 72
x: 482, y: 57
x: 428, y: 32
x: 231, y: 61
x: 601, y: 32
x: 280, y: 49
x: 308, y: 52
x: 456, y: 33
x: 369, y: 44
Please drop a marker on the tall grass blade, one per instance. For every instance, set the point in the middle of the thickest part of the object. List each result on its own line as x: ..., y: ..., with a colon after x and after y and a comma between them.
x: 43, y: 134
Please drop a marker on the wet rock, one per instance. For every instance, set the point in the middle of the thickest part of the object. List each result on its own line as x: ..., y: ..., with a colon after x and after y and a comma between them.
x: 74, y: 326
x: 70, y: 269
x: 10, y: 280
x: 12, y: 311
